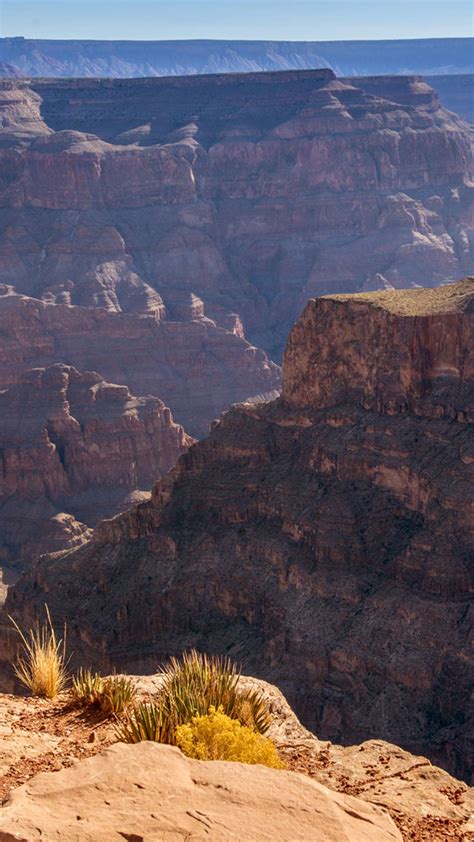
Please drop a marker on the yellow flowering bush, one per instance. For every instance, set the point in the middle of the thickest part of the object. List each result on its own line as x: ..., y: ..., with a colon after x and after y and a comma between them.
x: 215, y: 736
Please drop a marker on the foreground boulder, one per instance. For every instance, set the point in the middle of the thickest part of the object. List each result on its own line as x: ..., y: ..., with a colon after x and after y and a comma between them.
x: 151, y: 791
x: 324, y: 538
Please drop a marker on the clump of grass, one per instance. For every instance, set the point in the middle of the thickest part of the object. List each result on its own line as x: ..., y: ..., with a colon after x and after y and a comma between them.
x: 218, y: 737
x: 112, y: 696
x: 192, y: 685
x: 42, y: 666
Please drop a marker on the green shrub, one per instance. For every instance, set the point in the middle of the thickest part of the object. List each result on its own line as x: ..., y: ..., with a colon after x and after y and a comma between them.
x: 195, y: 682
x: 144, y: 722
x: 42, y: 667
x: 192, y: 685
x: 112, y: 695
x: 216, y: 736
x: 87, y: 687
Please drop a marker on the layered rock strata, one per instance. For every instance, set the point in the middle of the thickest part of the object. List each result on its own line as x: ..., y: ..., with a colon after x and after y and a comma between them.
x: 456, y: 93
x: 147, y: 227
x: 75, y: 449
x: 239, y: 194
x: 196, y: 367
x: 325, y: 538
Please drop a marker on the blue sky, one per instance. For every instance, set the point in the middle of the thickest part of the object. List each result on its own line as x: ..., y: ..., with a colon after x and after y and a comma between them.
x: 310, y: 20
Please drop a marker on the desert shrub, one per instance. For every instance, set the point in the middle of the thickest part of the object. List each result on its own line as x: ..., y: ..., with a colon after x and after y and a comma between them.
x: 192, y: 685
x: 145, y: 722
x: 112, y: 695
x: 86, y: 687
x: 118, y: 695
x: 42, y: 666
x: 195, y: 682
x: 216, y: 736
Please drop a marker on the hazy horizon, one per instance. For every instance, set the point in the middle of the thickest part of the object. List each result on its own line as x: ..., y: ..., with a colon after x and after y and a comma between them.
x: 244, y: 40
x: 236, y: 20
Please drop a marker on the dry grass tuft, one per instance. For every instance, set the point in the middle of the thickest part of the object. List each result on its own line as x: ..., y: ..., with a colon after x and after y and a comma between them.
x: 42, y: 667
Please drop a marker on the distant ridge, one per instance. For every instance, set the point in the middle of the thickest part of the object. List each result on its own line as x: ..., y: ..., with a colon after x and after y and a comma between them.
x: 123, y: 59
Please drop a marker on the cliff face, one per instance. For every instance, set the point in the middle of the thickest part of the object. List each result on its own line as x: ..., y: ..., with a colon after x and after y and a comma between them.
x: 246, y: 193
x: 194, y: 365
x: 74, y: 449
x: 324, y: 538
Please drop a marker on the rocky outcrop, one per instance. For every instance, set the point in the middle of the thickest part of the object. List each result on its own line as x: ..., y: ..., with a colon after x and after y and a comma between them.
x: 75, y: 449
x: 325, y: 538
x: 241, y: 195
x: 115, y: 796
x: 456, y: 93
x: 424, y: 801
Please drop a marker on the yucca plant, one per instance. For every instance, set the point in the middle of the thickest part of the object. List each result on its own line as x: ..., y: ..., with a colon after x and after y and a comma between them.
x: 192, y: 685
x: 86, y: 687
x: 117, y: 696
x: 145, y: 722
x: 42, y: 667
x: 112, y: 695
x: 195, y: 682
x: 251, y: 709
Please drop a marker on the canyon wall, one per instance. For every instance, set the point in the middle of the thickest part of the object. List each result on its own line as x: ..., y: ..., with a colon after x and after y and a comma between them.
x: 456, y: 93
x: 197, y: 367
x: 74, y: 450
x: 324, y: 538
x: 238, y: 195
x: 165, y: 233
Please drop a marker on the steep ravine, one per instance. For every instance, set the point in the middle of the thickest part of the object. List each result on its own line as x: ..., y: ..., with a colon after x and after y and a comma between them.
x: 324, y: 538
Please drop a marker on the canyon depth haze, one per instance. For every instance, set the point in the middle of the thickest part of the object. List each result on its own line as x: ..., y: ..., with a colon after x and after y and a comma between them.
x: 237, y: 418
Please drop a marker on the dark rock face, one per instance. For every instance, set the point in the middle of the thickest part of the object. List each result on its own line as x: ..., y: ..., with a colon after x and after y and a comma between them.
x: 325, y: 538
x: 239, y: 195
x: 39, y: 57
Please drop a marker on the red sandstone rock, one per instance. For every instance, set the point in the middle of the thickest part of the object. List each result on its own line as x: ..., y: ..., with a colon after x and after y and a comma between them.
x: 152, y: 791
x: 325, y: 538
x: 75, y: 449
x: 180, y: 215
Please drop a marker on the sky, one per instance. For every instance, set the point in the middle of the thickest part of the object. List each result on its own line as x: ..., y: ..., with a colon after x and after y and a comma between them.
x: 289, y: 20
